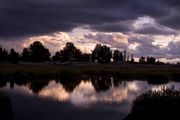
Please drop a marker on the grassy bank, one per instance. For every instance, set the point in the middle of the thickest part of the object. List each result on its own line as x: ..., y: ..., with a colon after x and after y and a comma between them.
x: 163, y: 104
x: 152, y: 73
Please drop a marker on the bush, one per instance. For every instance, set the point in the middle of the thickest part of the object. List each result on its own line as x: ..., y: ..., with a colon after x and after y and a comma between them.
x: 161, y: 104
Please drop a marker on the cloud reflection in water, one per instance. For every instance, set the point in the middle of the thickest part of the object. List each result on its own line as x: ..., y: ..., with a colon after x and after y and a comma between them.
x: 85, y: 94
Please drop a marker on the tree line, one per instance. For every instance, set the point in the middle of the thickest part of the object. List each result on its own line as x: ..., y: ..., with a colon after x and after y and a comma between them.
x: 36, y: 53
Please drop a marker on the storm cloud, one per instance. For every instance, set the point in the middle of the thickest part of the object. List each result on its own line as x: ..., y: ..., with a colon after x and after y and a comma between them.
x: 20, y: 18
x: 144, y: 27
x: 146, y: 47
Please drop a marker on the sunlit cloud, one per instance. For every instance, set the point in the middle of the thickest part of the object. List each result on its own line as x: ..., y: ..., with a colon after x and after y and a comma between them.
x: 85, y: 39
x: 141, y: 22
x: 114, y: 40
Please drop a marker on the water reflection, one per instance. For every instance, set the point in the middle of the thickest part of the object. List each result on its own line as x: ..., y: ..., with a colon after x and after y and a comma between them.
x: 36, y: 87
x: 86, y: 92
x: 97, y: 98
x: 56, y: 91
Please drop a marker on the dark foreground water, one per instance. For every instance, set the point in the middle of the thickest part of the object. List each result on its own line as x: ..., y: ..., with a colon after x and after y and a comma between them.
x: 94, y: 99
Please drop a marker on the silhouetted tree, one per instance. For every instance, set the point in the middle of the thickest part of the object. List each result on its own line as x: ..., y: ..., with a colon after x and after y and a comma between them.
x: 25, y: 55
x: 13, y: 57
x: 94, y: 55
x: 151, y: 60
x: 121, y: 57
x: 70, y: 53
x: 128, y: 57
x: 125, y: 56
x: 117, y: 56
x: 3, y: 55
x: 102, y: 54
x: 86, y: 57
x: 142, y: 60
x: 159, y: 62
x: 38, y: 53
x: 57, y: 57
x: 132, y: 58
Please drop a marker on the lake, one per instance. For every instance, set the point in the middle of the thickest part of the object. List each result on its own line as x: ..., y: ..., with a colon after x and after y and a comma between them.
x: 96, y: 98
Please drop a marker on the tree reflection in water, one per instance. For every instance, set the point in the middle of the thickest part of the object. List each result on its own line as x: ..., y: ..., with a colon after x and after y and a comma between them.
x: 104, y: 89
x: 70, y: 84
x: 99, y: 83
x: 86, y: 92
x: 36, y: 87
x: 82, y: 92
x: 98, y: 94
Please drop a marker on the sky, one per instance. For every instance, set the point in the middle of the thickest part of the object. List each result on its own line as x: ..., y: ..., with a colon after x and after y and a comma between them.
x: 142, y: 27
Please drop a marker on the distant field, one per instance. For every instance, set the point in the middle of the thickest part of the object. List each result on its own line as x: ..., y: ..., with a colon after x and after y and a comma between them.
x: 87, y: 70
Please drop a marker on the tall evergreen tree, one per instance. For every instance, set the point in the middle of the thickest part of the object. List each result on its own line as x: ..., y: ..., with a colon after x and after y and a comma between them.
x: 25, y: 55
x: 116, y: 55
x: 13, y: 57
x: 125, y: 55
x: 132, y: 58
x: 3, y: 54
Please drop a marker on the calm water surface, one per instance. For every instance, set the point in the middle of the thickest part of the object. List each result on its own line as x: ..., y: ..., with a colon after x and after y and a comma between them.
x: 93, y: 99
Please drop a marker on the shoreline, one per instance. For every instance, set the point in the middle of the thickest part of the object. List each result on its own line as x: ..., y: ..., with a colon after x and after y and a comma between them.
x: 152, y: 73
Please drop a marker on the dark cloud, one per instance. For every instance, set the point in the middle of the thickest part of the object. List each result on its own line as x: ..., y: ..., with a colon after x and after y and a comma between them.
x: 140, y: 40
x: 173, y: 49
x: 25, y: 18
x: 147, y: 48
x: 171, y: 21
